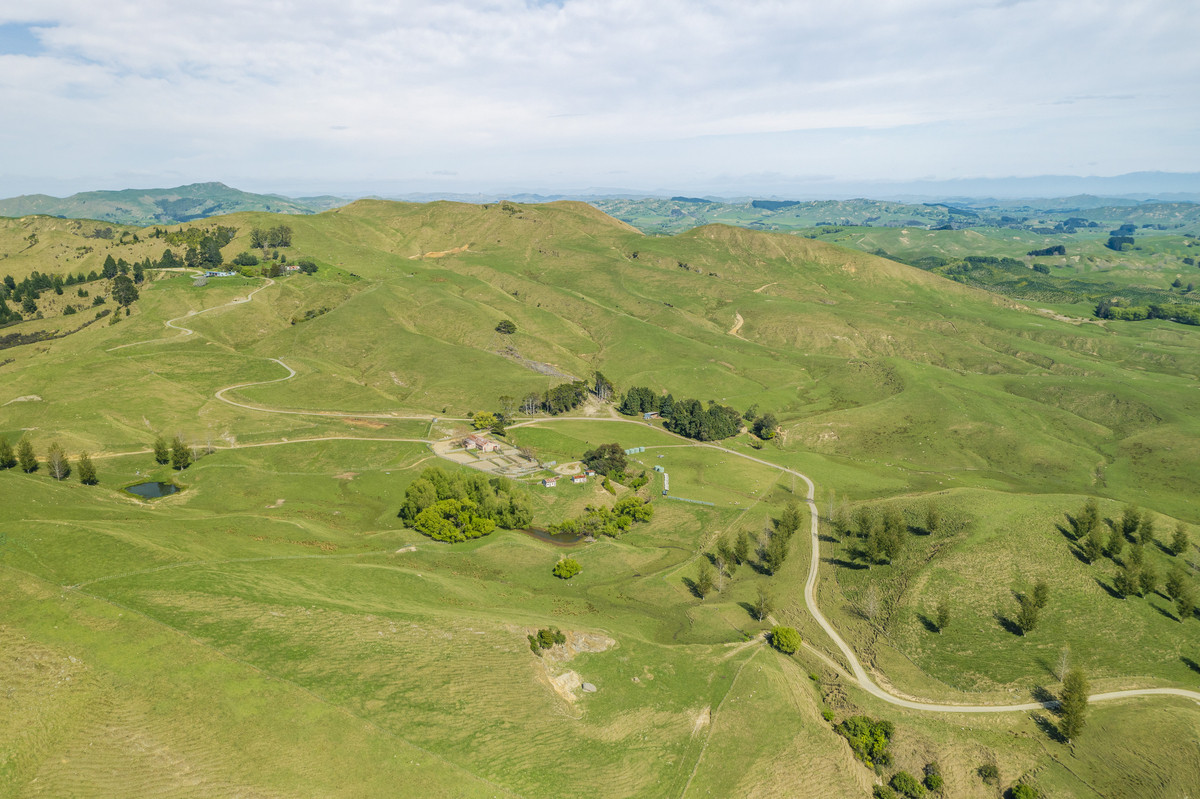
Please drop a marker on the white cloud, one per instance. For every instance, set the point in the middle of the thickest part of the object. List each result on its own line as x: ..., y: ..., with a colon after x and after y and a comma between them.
x: 667, y: 93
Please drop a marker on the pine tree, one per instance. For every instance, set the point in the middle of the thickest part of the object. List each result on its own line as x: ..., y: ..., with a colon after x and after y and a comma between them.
x: 776, y: 553
x: 1148, y: 578
x: 1126, y: 581
x: 741, y: 547
x: 1116, y: 543
x: 943, y: 615
x: 8, y: 458
x: 181, y: 456
x: 706, y: 579
x: 1073, y: 703
x: 1093, y: 545
x: 1131, y: 519
x: 87, y: 470
x: 1027, y: 614
x: 25, y: 456
x: 1041, y: 594
x: 162, y: 453
x: 1146, y: 532
x: 1179, y: 542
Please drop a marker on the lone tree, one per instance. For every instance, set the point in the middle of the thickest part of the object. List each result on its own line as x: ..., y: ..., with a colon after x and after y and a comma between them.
x: 1041, y: 594
x: 25, y: 456
x: 57, y: 463
x: 943, y: 615
x: 162, y: 453
x: 1073, y: 704
x: 181, y: 456
x: 8, y: 458
x: 507, y: 327
x: 785, y: 639
x: 1027, y: 614
x: 87, y: 470
x: 567, y: 568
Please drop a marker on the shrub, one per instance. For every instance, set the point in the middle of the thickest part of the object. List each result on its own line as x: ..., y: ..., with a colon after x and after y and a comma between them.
x: 989, y: 773
x: 567, y: 568
x: 904, y: 783
x: 1024, y: 792
x: 933, y: 776
x: 785, y: 639
x: 506, y: 326
x: 544, y: 639
x: 827, y: 714
x: 883, y: 792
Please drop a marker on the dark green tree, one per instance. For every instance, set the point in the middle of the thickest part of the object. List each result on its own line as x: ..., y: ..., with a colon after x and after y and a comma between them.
x: 181, y: 456
x: 1027, y: 614
x: 86, y: 469
x: 933, y: 518
x: 741, y: 547
x: 726, y: 555
x: 1041, y: 594
x: 943, y: 615
x: 791, y: 520
x: 907, y: 785
x: 764, y: 426
x: 1126, y: 581
x: 124, y: 292
x: 776, y: 553
x: 1146, y: 532
x: 1148, y: 578
x: 26, y: 459
x: 1073, y: 704
x: 110, y: 268
x: 1093, y: 544
x: 606, y: 458
x: 1087, y: 519
x: 162, y: 453
x: 706, y: 579
x: 8, y: 458
x: 28, y: 305
x: 1116, y: 542
x: 258, y: 238
x: 1179, y: 541
x: 506, y: 326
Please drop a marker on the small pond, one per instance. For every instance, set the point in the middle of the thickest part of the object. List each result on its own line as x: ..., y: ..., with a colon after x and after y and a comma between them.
x: 558, y: 539
x: 152, y: 490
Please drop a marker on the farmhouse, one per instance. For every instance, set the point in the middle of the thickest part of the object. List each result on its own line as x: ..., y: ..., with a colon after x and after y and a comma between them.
x: 590, y: 472
x: 550, y: 482
x: 480, y: 443
x: 579, y: 478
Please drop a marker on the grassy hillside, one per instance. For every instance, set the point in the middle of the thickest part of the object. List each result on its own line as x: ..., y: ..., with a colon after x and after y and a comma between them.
x: 160, y: 206
x: 277, y: 604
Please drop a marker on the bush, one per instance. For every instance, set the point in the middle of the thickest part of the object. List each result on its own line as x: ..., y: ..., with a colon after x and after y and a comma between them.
x: 567, y: 568
x: 904, y: 783
x: 827, y: 714
x: 868, y: 738
x: 933, y: 776
x: 545, y: 639
x: 245, y: 259
x: 785, y: 639
x: 883, y: 792
x: 1024, y: 792
x: 507, y: 327
x: 989, y: 773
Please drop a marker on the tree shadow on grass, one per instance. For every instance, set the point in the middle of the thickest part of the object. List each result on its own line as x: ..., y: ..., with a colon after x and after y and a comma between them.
x: 1073, y: 533
x: 845, y: 564
x: 1048, y: 727
x: 691, y: 586
x: 1009, y: 624
x: 1191, y: 664
x: 1079, y: 556
x: 749, y: 608
x: 1045, y: 696
x: 928, y: 623
x: 1165, y: 612
x: 1163, y: 548
x: 827, y: 538
x: 1108, y: 589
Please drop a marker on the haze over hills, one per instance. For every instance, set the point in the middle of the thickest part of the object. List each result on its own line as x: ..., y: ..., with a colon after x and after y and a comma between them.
x: 162, y: 206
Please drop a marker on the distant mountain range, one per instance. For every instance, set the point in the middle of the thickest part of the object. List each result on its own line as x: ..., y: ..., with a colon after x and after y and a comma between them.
x: 904, y: 202
x: 163, y: 206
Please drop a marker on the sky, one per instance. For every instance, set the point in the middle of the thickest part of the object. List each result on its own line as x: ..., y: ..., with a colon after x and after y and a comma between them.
x: 671, y: 96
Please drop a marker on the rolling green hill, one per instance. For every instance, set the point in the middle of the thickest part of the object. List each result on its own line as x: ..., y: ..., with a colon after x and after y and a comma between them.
x: 161, y: 206
x: 276, y: 607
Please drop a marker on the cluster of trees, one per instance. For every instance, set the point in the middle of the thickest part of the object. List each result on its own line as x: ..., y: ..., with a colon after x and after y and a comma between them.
x: 1116, y: 308
x: 1126, y: 544
x: 177, y: 452
x: 25, y: 295
x: 602, y: 520
x: 194, y: 236
x: 606, y: 459
x: 57, y: 463
x: 762, y: 425
x: 1119, y: 243
x: 1057, y: 249
x: 690, y: 419
x: 278, y: 236
x: 455, y: 506
x: 545, y: 639
x: 1030, y: 605
x: 881, y: 536
x: 731, y: 552
x: 558, y: 399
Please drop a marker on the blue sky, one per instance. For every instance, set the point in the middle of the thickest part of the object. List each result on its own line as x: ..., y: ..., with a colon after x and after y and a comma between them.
x: 507, y: 95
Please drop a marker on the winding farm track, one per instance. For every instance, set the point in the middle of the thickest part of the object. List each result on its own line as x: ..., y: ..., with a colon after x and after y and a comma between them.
x: 187, y: 331
x: 810, y: 599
